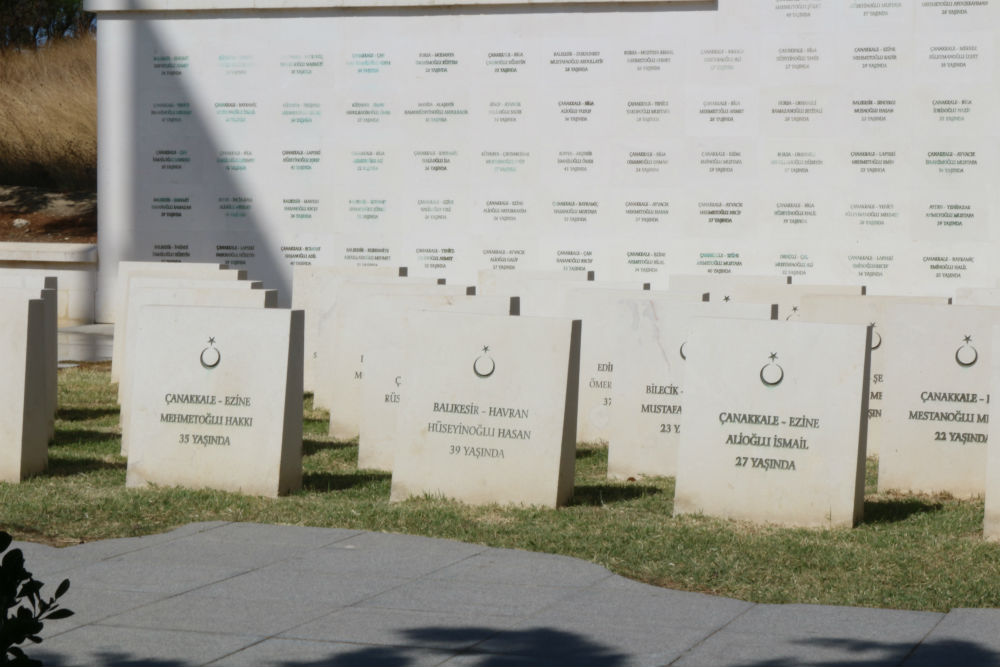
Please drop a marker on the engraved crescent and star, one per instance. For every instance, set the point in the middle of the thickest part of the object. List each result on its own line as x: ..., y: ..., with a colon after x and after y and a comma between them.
x: 480, y: 367
x: 966, y: 355
x: 771, y: 373
x: 210, y: 356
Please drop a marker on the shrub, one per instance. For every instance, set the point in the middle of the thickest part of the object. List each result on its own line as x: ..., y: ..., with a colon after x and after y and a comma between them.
x: 22, y: 608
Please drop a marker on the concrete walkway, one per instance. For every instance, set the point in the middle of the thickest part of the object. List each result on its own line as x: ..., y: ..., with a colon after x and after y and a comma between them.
x: 246, y: 594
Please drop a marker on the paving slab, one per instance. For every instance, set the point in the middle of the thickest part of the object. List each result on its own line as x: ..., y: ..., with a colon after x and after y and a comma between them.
x: 620, y: 601
x: 50, y: 561
x: 814, y: 634
x: 472, y: 598
x: 197, y: 550
x: 111, y: 646
x: 591, y: 655
x: 288, y: 653
x: 283, y: 581
x: 396, y: 627
x: 506, y: 565
x: 963, y: 637
x: 94, y: 605
x: 133, y: 573
x: 553, y: 640
x: 254, y: 534
x: 227, y: 615
x: 650, y: 625
x: 251, y: 594
x: 380, y: 553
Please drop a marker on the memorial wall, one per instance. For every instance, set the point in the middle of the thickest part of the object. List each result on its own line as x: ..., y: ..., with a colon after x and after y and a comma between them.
x: 834, y: 141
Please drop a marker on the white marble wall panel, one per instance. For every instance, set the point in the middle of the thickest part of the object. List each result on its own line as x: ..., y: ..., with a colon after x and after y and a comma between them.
x: 435, y: 138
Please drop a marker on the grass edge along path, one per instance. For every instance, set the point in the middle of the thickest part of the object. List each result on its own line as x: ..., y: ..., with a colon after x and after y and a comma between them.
x: 911, y: 552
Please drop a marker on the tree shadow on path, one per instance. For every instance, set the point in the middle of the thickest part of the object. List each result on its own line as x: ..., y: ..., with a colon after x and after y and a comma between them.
x: 863, y: 652
x: 526, y: 646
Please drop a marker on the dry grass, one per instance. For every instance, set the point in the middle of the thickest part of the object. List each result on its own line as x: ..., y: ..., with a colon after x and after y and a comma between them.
x: 48, y: 116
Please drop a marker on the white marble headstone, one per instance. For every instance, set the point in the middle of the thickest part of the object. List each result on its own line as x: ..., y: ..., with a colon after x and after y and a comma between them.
x: 645, y: 418
x: 788, y: 297
x: 849, y: 309
x: 126, y: 270
x: 145, y: 291
x: 936, y: 412
x: 774, y: 422
x: 25, y: 411
x: 541, y: 293
x: 991, y: 500
x: 383, y: 386
x: 341, y: 344
x: 491, y: 409
x: 602, y: 346
x: 314, y: 291
x: 48, y: 336
x: 217, y: 399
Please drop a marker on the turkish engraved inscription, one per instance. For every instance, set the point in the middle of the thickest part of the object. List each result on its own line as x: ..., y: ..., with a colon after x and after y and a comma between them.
x: 797, y: 162
x: 505, y: 62
x: 236, y: 112
x: 237, y: 206
x: 202, y: 414
x: 504, y: 210
x: 368, y: 62
x: 503, y: 259
x: 301, y: 160
x: 436, y: 62
x: 505, y: 111
x: 301, y: 65
x: 167, y: 65
x: 875, y: 57
x: 648, y: 60
x: 767, y: 442
x: 235, y: 65
x: 170, y: 112
x: 480, y: 432
x: 368, y: 112
x: 302, y: 113
x: 647, y: 212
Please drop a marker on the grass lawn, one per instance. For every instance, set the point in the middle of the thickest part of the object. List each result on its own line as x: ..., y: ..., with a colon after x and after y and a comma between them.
x: 911, y: 552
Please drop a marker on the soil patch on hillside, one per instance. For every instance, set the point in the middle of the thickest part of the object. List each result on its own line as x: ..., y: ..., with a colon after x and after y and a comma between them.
x: 39, y: 216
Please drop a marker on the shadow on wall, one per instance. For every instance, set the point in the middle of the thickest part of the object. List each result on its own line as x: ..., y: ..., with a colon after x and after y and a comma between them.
x: 162, y: 190
x: 146, y: 191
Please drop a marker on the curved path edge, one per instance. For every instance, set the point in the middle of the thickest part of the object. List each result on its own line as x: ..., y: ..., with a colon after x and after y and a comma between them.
x: 229, y: 594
